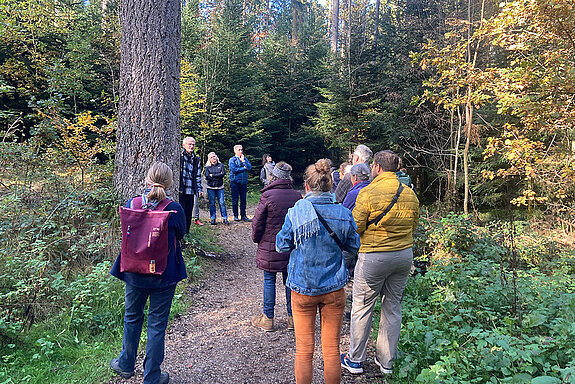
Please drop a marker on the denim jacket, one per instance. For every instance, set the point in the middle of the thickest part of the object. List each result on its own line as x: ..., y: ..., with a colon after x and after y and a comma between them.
x: 316, y: 266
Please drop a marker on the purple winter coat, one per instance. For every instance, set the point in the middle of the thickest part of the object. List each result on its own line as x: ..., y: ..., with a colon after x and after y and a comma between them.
x: 276, y: 199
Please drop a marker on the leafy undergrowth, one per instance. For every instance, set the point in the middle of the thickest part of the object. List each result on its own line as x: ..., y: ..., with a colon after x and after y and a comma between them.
x: 61, y: 313
x: 497, y: 305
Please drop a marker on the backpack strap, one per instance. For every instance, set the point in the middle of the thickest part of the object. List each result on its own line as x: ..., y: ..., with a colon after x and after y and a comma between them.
x: 136, y: 203
x: 329, y: 230
x: 163, y: 204
x: 393, y: 201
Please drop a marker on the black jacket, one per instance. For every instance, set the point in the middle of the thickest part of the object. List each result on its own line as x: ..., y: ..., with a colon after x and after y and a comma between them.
x: 215, y: 175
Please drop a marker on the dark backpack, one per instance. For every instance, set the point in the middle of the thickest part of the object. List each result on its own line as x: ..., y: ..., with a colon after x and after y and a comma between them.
x: 144, y: 238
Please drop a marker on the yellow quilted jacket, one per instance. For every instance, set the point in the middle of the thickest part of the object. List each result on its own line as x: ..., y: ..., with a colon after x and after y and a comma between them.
x: 395, y: 230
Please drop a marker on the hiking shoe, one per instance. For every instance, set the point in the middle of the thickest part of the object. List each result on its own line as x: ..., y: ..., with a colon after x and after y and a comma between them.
x: 246, y: 219
x: 198, y: 222
x: 116, y: 368
x: 290, y: 322
x: 226, y: 222
x: 350, y: 365
x: 164, y: 378
x: 236, y: 218
x: 385, y: 371
x: 263, y: 322
x: 213, y: 221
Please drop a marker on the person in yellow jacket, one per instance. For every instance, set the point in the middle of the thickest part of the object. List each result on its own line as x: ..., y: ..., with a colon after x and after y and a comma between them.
x: 384, y: 262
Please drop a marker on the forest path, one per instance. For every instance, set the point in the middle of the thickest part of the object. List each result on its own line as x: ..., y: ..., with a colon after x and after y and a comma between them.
x: 214, y: 342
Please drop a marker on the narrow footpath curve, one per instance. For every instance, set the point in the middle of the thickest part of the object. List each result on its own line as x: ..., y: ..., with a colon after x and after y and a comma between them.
x: 214, y: 342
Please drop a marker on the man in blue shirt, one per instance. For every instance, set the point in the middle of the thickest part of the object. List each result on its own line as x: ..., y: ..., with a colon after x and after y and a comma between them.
x: 239, y: 167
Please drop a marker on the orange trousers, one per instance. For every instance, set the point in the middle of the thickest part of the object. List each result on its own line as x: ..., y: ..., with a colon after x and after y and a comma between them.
x: 304, y: 308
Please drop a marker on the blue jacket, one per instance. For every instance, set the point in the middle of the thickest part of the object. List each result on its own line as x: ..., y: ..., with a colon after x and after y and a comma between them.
x: 317, y: 266
x: 349, y: 201
x: 239, y: 170
x: 175, y: 269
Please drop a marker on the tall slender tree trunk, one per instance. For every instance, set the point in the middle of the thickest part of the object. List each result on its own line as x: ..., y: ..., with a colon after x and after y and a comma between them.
x: 456, y: 146
x: 468, y: 126
x: 333, y: 35
x: 149, y: 107
x: 344, y: 27
x: 376, y: 27
x: 469, y: 99
x: 297, y: 15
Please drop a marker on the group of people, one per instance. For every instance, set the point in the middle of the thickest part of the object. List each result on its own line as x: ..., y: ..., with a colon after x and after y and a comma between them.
x: 214, y: 172
x: 312, y: 241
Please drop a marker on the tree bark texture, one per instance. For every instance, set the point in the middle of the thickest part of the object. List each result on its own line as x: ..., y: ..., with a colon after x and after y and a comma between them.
x: 149, y: 105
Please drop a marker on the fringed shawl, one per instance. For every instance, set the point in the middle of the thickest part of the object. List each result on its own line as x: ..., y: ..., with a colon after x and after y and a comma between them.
x: 303, y: 216
x: 304, y: 221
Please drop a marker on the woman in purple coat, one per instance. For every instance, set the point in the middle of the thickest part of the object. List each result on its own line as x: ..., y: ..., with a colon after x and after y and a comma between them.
x: 276, y: 199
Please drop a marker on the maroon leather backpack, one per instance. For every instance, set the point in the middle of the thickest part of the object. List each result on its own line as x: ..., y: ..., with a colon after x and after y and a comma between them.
x: 144, y: 238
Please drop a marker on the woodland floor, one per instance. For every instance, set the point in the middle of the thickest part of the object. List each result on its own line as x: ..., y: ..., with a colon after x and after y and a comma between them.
x: 214, y: 342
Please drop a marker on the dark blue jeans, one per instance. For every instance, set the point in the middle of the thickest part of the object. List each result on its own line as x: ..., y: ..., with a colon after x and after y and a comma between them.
x: 160, y: 304
x: 239, y: 191
x: 218, y: 194
x: 270, y: 293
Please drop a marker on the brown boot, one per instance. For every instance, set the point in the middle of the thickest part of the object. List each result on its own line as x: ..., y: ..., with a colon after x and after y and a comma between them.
x: 263, y: 322
x: 290, y: 322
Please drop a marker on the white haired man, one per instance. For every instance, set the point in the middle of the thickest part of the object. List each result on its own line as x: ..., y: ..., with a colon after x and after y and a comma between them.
x: 362, y: 154
x: 190, y: 180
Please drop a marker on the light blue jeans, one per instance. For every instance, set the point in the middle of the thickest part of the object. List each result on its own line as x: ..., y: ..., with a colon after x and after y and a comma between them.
x: 270, y: 293
x: 158, y: 313
x: 218, y: 194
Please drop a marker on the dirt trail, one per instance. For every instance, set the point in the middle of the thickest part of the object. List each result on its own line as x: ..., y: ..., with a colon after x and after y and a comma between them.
x: 214, y: 341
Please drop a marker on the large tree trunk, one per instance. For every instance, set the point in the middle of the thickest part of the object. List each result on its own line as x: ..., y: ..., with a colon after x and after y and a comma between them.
x: 149, y: 107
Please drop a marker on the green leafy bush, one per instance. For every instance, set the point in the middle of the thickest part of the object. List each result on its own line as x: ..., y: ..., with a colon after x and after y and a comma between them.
x: 475, y: 317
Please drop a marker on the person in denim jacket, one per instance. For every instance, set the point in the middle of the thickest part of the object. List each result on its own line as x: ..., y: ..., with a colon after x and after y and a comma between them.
x: 316, y: 270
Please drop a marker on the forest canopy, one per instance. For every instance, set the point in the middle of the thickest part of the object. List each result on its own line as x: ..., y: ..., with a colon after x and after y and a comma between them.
x: 475, y: 95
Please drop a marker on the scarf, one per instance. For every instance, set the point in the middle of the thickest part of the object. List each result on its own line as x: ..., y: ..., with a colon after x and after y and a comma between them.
x: 304, y: 220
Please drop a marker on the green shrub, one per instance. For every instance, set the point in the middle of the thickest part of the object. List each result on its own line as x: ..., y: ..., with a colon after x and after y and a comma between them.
x: 476, y: 317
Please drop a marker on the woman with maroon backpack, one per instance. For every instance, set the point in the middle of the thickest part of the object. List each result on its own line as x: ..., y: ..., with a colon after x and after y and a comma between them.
x: 276, y: 198
x: 158, y: 286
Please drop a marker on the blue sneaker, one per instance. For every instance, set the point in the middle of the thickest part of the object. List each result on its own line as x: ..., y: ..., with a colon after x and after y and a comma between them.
x: 385, y: 371
x: 350, y: 365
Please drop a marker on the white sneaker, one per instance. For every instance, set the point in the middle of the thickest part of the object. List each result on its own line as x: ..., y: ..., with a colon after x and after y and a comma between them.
x: 385, y: 371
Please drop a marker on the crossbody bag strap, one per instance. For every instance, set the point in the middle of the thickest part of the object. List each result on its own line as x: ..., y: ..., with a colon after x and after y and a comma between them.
x: 386, y: 210
x: 329, y: 230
